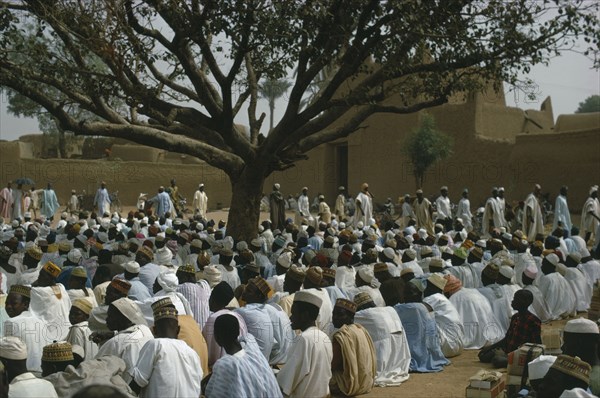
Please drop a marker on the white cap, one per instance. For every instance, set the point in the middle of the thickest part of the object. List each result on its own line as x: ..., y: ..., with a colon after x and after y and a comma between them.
x: 308, y: 296
x: 197, y: 243
x: 481, y: 243
x: 12, y: 347
x: 411, y: 253
x: 582, y: 325
x: 507, y: 271
x: 130, y: 310
x: 388, y: 252
x: 539, y: 366
x: 285, y: 259
x: 575, y: 256
x: 132, y: 267
x: 366, y: 274
x: 74, y: 256
x: 438, y: 280
x: 553, y: 259
x: 212, y: 275
x: 163, y: 256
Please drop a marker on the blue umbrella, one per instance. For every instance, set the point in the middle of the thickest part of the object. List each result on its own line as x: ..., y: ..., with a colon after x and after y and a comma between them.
x: 24, y: 181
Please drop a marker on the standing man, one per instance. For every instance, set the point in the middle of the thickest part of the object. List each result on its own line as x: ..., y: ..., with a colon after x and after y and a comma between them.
x: 423, y: 211
x: 502, y: 207
x: 73, y: 203
x: 6, y: 201
x: 533, y: 223
x: 162, y: 201
x: 340, y: 204
x: 562, y: 216
x: 200, y: 203
x: 175, y: 197
x: 35, y: 195
x: 463, y: 210
x: 364, y: 205
x: 324, y: 211
x: 102, y: 200
x: 491, y: 214
x: 303, y: 206
x: 17, y: 206
x: 407, y: 211
x: 444, y: 210
x: 590, y: 215
x: 277, y: 206
x: 49, y: 202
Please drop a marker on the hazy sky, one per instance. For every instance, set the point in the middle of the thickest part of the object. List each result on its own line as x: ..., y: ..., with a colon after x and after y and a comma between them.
x: 568, y: 79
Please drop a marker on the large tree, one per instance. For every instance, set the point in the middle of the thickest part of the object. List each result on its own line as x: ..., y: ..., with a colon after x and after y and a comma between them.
x: 589, y: 105
x: 187, y: 68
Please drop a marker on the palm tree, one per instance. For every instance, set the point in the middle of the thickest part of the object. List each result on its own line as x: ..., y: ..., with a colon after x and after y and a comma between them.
x: 272, y: 90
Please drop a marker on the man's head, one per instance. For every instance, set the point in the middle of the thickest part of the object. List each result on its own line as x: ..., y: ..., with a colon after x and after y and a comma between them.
x: 465, y: 193
x: 48, y: 275
x: 580, y: 338
x: 256, y: 291
x: 226, y: 329
x: 121, y: 314
x: 80, y: 310
x: 522, y: 300
x: 566, y: 373
x: 13, y: 356
x: 118, y: 288
x: 220, y: 297
x: 343, y: 312
x: 444, y: 191
x: 56, y: 357
x: 17, y: 300
x: 564, y: 190
x: 305, y: 309
x: 78, y: 278
x: 166, y: 324
x: 294, y: 278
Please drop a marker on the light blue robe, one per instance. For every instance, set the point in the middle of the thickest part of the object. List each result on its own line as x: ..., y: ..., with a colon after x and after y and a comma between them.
x: 421, y: 333
x: 49, y: 203
x: 162, y: 201
x: 102, y: 201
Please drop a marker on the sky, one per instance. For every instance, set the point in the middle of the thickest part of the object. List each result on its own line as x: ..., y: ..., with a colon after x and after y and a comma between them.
x: 568, y: 80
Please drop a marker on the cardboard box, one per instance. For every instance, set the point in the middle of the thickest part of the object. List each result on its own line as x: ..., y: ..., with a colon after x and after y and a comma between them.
x: 485, y: 379
x: 552, y: 339
x: 517, y: 360
x: 496, y: 391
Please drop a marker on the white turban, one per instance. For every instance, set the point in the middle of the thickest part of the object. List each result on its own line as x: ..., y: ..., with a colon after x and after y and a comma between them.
x: 163, y: 256
x: 168, y: 281
x: 12, y: 347
x: 212, y: 275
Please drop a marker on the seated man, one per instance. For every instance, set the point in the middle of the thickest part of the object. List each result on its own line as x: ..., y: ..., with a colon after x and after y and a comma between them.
x: 79, y: 333
x: 49, y: 300
x: 167, y: 366
x: 308, y: 369
x: 391, y: 347
x: 567, y: 373
x: 524, y: 328
x: 13, y: 356
x: 56, y: 357
x: 580, y: 339
x: 243, y: 371
x: 353, y: 365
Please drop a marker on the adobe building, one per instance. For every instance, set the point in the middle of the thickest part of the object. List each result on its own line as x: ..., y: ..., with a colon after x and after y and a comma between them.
x: 494, y: 145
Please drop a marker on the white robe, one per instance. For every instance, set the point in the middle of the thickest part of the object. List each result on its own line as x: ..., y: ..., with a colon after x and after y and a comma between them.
x: 391, y: 347
x: 28, y: 385
x: 592, y: 270
x: 364, y: 208
x: 581, y: 288
x: 449, y: 325
x: 303, y: 207
x: 557, y: 294
x: 325, y: 312
x: 467, y: 275
x: 480, y: 324
x: 498, y: 301
x: 34, y: 332
x: 102, y: 201
x: 259, y: 324
x: 53, y: 305
x: 79, y: 334
x: 539, y: 307
x: 532, y: 210
x: 522, y: 261
x: 463, y: 212
x: 200, y: 203
x: 492, y: 211
x: 562, y: 214
x: 340, y: 206
x: 588, y: 222
x: 308, y: 369
x: 168, y: 368
x: 127, y: 344
x: 243, y: 374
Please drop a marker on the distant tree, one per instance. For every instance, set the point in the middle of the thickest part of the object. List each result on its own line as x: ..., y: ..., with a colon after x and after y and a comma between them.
x: 425, y: 146
x: 272, y: 90
x: 591, y: 104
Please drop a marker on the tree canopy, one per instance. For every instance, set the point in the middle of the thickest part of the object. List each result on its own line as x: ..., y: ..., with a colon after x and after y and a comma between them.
x: 175, y: 75
x: 590, y: 104
x: 425, y: 146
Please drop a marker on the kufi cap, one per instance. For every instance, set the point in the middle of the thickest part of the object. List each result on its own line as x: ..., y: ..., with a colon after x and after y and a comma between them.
x: 438, y: 280
x: 593, y: 189
x: 379, y: 267
x: 203, y: 259
x: 74, y: 256
x: 406, y: 271
x: 330, y: 272
x: 481, y: 243
x: 226, y: 252
x: 146, y: 252
x: 426, y: 250
x: 42, y: 243
x: 197, y: 243
x: 129, y: 309
x: 442, y: 240
x: 285, y: 259
x: 582, y: 325
x: 346, y: 304
x: 133, y: 267
x: 256, y: 242
x: 187, y: 269
x: 163, y: 256
x: 341, y: 188
x: 35, y: 252
x: 162, y: 302
x: 444, y: 188
x: 279, y: 241
x: 573, y: 366
x: 24, y: 291
x: 461, y: 253
x: 366, y: 274
x: 307, y: 296
x: 81, y: 238
x: 84, y: 304
x: 12, y: 347
x: 363, y: 298
x: 389, y: 253
x: 330, y: 239
x: 276, y: 186
x: 79, y: 272
x: 163, y: 308
x: 552, y: 259
x: 539, y: 366
x: 491, y: 271
x: 261, y: 284
x: 52, y: 269
x: 419, y: 191
x: 436, y: 263
x: 315, y: 275
x: 507, y: 271
x: 477, y: 252
x: 213, y: 275
x: 496, y: 244
x: 531, y: 271
x: 168, y: 280
x: 102, y: 237
x: 411, y: 253
x: 453, y: 284
x: 58, y: 352
x: 120, y: 285
x: 364, y: 185
x: 296, y: 274
x: 252, y: 267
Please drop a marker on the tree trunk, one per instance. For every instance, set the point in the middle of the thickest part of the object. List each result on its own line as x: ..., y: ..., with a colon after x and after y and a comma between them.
x: 62, y: 144
x: 247, y: 192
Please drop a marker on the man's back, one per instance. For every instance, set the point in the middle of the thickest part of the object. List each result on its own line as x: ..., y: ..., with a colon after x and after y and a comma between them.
x: 358, y: 356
